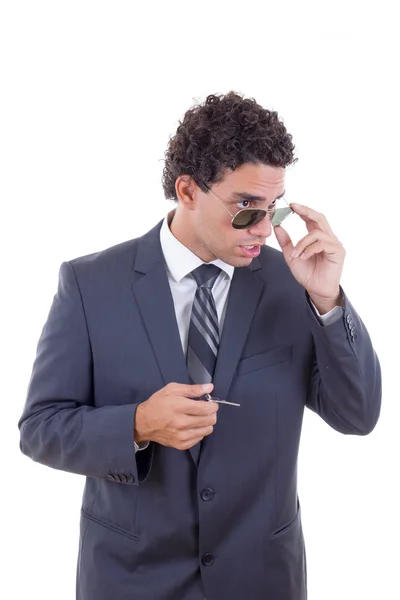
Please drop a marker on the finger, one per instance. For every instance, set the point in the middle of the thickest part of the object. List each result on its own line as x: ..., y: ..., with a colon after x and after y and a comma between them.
x: 309, y: 215
x: 190, y: 391
x: 284, y: 241
x: 189, y: 422
x: 198, y: 432
x: 198, y: 407
x: 309, y: 239
x: 189, y: 443
x: 319, y: 247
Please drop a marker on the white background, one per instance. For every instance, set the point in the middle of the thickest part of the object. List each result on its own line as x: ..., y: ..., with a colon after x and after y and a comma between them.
x: 91, y: 92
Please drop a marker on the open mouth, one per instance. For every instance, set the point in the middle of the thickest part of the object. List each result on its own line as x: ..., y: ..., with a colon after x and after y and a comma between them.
x: 250, y: 251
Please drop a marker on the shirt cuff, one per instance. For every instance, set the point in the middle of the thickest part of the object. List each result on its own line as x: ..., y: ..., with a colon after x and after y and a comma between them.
x: 329, y: 317
x: 141, y: 446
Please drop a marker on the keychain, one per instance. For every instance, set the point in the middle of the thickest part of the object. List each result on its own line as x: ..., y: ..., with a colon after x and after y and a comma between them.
x: 211, y: 399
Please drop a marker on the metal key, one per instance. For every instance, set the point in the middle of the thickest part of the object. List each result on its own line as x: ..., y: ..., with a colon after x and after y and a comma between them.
x: 210, y: 398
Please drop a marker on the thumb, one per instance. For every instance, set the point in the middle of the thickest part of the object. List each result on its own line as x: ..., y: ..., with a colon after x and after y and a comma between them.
x: 284, y: 241
x: 193, y: 391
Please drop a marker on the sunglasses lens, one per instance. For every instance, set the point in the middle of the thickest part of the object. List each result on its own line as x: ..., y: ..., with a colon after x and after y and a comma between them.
x: 280, y: 212
x: 248, y: 217
x: 280, y: 215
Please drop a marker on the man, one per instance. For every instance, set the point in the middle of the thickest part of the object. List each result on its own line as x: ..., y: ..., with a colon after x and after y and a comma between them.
x: 187, y: 498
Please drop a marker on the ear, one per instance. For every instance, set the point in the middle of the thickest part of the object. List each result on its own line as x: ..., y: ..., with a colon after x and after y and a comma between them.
x: 186, y: 189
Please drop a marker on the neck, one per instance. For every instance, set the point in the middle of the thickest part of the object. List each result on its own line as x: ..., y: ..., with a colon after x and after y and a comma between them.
x: 181, y: 229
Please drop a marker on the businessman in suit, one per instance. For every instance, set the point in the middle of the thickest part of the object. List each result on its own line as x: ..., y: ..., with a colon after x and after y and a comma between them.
x: 187, y: 497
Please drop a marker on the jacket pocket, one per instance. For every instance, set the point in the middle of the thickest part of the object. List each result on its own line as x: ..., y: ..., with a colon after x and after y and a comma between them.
x: 265, y: 359
x: 115, y: 507
x: 109, y: 525
x: 289, y: 526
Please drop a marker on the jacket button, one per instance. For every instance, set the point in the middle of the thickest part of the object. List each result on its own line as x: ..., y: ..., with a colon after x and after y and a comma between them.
x: 124, y: 478
x: 130, y: 479
x: 117, y: 478
x: 110, y: 477
x: 207, y: 559
x: 207, y: 494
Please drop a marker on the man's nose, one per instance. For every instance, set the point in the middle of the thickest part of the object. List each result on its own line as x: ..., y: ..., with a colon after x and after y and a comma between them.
x: 262, y: 229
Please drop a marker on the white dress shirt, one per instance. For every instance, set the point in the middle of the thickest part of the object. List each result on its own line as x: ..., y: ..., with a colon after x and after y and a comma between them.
x: 180, y: 262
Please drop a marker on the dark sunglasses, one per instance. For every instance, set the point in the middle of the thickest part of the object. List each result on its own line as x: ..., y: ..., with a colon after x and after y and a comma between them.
x: 248, y: 217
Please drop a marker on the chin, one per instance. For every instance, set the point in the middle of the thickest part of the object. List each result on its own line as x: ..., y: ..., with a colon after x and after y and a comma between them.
x: 238, y: 261
x: 244, y: 262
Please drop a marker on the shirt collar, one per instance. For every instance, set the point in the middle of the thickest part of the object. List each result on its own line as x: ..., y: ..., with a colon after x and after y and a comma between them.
x: 179, y: 259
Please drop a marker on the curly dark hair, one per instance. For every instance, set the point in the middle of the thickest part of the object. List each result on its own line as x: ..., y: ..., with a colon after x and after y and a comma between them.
x: 223, y: 133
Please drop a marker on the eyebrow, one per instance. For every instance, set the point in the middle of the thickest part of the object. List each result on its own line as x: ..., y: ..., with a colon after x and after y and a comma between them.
x: 253, y: 198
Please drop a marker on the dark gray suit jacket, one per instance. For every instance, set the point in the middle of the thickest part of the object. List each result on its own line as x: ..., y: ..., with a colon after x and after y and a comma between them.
x: 166, y: 524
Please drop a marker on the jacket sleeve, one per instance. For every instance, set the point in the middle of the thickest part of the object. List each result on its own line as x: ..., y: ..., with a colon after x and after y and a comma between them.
x: 345, y: 385
x: 60, y: 426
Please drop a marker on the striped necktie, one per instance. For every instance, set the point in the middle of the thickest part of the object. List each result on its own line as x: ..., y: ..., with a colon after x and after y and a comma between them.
x: 203, y: 338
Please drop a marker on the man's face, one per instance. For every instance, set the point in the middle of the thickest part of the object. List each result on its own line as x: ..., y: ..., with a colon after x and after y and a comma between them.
x: 212, y: 233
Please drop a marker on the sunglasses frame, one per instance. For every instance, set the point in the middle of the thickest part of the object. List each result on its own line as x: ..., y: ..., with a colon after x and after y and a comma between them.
x: 262, y: 211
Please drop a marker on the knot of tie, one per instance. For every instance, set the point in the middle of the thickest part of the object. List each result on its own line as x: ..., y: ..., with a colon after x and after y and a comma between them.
x: 206, y: 275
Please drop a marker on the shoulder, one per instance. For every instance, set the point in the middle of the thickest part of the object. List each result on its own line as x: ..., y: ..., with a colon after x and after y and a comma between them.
x: 107, y: 256
x: 117, y: 258
x: 104, y: 267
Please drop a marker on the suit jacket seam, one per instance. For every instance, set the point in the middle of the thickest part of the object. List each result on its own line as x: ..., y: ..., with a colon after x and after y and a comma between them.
x: 83, y: 308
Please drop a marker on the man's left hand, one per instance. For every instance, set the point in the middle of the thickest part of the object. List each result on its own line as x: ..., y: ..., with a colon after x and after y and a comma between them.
x: 317, y: 260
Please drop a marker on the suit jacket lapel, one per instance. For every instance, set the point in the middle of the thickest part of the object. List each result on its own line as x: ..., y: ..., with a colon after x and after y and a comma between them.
x: 153, y: 295
x: 154, y: 298
x: 244, y: 296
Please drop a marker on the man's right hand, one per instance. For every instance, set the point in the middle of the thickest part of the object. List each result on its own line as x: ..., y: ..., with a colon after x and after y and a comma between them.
x: 170, y: 417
